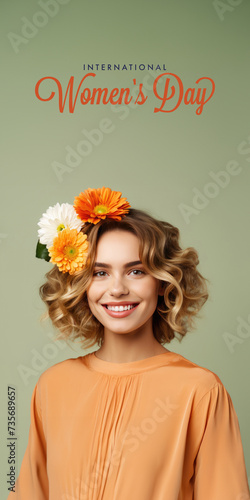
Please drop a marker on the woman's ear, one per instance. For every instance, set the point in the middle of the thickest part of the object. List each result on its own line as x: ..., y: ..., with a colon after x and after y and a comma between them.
x: 162, y: 286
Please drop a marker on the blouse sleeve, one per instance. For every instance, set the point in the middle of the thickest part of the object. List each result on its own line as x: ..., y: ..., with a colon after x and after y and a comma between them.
x: 220, y: 472
x: 32, y: 482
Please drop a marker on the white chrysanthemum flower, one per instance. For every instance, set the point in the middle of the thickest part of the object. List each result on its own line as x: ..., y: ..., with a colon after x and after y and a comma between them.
x: 56, y: 219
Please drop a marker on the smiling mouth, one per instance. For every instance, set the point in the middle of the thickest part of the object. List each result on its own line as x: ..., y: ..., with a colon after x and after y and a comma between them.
x: 127, y: 307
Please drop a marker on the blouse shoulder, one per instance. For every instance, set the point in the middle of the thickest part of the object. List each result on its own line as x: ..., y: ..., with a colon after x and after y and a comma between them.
x: 203, y: 381
x: 60, y: 372
x: 207, y: 375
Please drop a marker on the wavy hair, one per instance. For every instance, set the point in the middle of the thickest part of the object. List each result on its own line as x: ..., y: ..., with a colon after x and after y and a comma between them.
x: 185, y: 289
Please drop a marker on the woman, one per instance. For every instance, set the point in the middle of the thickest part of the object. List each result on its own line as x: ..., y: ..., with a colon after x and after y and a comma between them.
x: 131, y: 420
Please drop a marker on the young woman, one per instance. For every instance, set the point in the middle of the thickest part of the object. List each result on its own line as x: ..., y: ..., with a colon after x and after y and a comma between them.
x: 131, y: 420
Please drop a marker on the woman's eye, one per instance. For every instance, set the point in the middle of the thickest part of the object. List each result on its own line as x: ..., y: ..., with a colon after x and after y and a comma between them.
x: 100, y: 274
x: 136, y: 272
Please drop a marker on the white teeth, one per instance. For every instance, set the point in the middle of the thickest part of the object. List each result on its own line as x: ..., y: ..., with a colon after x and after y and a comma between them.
x: 120, y: 308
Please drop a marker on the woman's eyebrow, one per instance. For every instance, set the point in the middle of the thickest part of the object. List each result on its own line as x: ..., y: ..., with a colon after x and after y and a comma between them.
x: 129, y: 264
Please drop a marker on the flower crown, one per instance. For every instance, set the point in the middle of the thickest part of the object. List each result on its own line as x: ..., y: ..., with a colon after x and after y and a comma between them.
x: 60, y: 239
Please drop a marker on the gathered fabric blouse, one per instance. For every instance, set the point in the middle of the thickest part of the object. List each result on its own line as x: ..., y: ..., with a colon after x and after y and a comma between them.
x: 161, y: 428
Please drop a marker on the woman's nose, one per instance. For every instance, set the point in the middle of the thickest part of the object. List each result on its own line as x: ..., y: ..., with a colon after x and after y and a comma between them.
x: 118, y: 286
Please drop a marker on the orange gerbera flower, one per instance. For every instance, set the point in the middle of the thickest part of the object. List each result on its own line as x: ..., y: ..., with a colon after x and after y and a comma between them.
x: 69, y: 250
x: 95, y: 204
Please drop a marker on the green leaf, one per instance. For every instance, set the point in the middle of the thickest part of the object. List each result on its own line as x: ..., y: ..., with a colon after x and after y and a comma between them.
x: 42, y: 252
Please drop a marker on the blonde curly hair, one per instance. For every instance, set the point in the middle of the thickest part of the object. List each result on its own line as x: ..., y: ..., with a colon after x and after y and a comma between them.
x: 159, y: 250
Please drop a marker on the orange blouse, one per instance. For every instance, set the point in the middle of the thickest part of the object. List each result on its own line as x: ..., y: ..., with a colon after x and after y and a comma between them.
x: 161, y: 428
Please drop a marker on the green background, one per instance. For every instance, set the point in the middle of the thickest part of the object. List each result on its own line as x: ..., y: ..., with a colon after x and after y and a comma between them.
x: 157, y: 160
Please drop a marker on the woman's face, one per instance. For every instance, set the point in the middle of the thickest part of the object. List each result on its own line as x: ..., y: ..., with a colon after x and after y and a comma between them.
x: 122, y: 295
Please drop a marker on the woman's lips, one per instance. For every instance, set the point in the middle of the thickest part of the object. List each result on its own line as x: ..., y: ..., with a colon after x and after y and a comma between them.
x: 120, y: 314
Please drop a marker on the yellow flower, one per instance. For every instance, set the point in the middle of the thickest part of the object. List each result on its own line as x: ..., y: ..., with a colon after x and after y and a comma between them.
x: 69, y: 250
x: 95, y: 204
